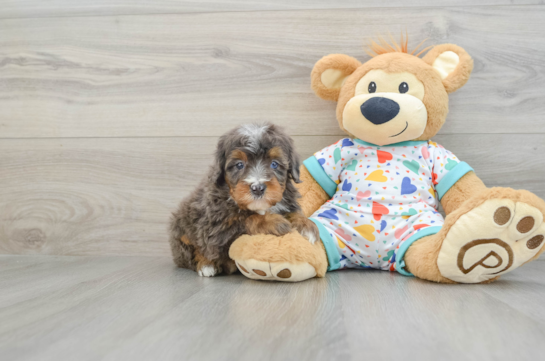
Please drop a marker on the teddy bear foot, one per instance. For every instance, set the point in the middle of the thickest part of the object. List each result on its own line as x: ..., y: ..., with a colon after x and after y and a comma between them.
x: 494, y: 238
x: 289, y: 258
x: 279, y: 271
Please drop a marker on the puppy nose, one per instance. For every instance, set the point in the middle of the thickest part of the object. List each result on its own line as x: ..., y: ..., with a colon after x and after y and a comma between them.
x: 258, y: 189
x: 379, y: 110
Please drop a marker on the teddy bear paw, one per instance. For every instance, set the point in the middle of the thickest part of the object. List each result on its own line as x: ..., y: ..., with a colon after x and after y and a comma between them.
x: 490, y: 240
x: 275, y: 271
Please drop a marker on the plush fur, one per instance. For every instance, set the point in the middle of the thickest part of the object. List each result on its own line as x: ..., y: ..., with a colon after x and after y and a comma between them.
x: 224, y: 207
x: 312, y: 195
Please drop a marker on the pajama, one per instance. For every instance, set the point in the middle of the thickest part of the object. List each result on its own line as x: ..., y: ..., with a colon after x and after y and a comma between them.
x: 384, y: 198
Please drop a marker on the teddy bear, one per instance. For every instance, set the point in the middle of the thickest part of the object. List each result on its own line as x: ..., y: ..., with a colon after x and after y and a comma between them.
x: 374, y: 195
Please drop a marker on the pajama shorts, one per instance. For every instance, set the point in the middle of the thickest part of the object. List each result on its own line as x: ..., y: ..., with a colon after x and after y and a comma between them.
x: 372, y: 243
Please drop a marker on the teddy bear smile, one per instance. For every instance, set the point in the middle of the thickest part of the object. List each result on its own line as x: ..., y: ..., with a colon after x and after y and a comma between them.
x: 406, y: 126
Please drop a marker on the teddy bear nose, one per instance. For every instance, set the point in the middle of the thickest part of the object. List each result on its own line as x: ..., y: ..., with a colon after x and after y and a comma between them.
x: 379, y: 110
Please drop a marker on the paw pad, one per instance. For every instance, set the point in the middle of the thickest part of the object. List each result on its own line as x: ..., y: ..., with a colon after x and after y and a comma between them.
x: 285, y: 273
x: 259, y: 272
x: 535, y: 242
x: 502, y: 216
x: 526, y: 224
x: 242, y: 268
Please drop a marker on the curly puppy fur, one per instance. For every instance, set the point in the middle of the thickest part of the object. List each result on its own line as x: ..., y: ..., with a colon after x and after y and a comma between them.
x: 249, y: 190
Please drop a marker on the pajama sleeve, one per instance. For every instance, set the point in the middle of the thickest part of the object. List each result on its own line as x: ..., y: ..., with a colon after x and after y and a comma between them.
x: 447, y: 169
x: 326, y: 165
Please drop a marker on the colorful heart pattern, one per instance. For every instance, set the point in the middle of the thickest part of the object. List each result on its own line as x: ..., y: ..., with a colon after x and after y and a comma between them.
x: 385, y: 195
x: 366, y: 231
x: 362, y: 195
x: 352, y: 165
x: 383, y: 156
x: 379, y: 210
x: 407, y: 187
x: 346, y: 186
x: 413, y: 165
x: 450, y: 164
x: 377, y: 176
x: 329, y: 214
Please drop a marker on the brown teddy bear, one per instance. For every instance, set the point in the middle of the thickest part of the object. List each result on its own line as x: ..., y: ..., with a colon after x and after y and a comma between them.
x: 374, y: 195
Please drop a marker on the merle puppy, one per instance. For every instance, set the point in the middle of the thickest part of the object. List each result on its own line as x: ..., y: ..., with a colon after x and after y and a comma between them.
x: 249, y: 190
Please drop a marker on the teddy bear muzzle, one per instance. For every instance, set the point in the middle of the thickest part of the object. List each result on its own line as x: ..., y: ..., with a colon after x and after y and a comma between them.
x: 385, y: 118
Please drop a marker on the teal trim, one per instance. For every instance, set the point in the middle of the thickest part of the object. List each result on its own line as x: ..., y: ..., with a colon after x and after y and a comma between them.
x: 333, y: 256
x: 400, y: 144
x: 400, y: 263
x: 451, y: 178
x: 318, y: 173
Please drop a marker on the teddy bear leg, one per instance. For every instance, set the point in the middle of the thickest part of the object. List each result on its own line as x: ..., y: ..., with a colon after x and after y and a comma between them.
x: 485, y: 238
x: 290, y: 258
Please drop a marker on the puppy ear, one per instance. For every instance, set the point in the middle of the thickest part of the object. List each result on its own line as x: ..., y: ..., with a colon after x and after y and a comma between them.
x: 220, y: 160
x: 453, y: 64
x: 295, y: 163
x: 329, y: 74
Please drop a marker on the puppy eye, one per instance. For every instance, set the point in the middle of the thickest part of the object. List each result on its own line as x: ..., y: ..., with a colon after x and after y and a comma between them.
x: 372, y: 87
x: 274, y: 165
x: 403, y: 87
x: 239, y: 165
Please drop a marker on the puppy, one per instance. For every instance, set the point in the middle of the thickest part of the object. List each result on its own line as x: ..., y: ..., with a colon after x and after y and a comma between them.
x: 249, y: 190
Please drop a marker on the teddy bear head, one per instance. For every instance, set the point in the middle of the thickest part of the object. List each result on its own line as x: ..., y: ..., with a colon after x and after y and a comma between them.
x: 395, y: 96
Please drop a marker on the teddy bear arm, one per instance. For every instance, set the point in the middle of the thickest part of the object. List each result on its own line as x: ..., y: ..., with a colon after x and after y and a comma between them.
x: 467, y: 187
x: 313, y: 196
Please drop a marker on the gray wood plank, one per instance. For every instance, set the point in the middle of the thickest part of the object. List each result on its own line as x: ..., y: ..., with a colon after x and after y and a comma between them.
x: 114, y: 196
x: 200, y: 74
x: 143, y: 308
x: 524, y: 293
x: 33, y: 8
x: 428, y: 321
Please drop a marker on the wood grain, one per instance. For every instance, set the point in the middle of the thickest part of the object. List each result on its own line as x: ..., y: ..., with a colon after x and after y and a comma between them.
x: 201, y: 74
x: 35, y: 8
x: 143, y: 308
x: 114, y: 196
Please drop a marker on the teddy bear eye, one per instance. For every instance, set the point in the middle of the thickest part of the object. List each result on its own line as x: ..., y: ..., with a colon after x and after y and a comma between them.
x: 403, y: 87
x: 372, y: 87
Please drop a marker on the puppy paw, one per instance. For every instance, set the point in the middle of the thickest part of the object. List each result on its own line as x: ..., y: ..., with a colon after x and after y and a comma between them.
x: 309, y: 231
x: 281, y: 227
x: 207, y: 271
x: 305, y: 227
x: 268, y: 224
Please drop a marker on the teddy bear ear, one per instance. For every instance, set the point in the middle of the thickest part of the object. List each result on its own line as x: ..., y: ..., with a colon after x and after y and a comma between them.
x: 329, y: 74
x: 453, y: 64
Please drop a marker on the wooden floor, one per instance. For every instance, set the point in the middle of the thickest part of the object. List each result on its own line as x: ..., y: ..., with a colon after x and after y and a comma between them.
x: 143, y: 308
